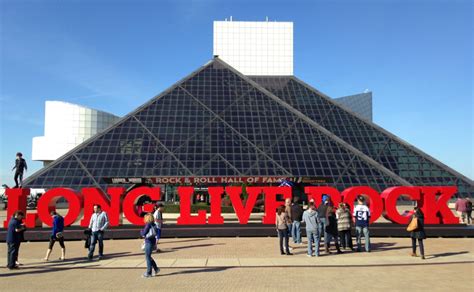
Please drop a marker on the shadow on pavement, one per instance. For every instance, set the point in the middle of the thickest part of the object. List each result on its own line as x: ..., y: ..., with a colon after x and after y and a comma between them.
x: 193, y: 246
x: 447, y: 254
x: 188, y: 240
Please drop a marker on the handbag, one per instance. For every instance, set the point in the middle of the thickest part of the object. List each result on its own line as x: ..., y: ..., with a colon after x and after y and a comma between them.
x: 59, y: 235
x: 413, y: 224
x: 151, y: 233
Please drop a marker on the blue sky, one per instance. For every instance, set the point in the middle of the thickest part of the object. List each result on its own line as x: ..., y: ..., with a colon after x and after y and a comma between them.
x: 416, y: 57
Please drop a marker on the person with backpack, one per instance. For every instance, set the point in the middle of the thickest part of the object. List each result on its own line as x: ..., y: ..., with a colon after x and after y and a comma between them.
x: 468, y: 211
x: 343, y: 216
x: 20, y: 167
x: 281, y: 223
x: 331, y: 230
x: 149, y: 233
x: 296, y: 218
x: 56, y: 235
x: 417, y: 232
x: 310, y: 218
x: 361, y: 216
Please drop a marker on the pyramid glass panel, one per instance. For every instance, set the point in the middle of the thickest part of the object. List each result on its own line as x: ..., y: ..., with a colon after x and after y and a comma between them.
x: 402, y: 159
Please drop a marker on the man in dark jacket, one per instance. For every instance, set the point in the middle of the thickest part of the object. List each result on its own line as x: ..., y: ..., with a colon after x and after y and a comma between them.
x: 296, y: 217
x: 20, y: 167
x: 14, y: 235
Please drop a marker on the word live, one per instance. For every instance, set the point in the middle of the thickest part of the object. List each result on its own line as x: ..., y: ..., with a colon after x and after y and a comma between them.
x: 432, y: 200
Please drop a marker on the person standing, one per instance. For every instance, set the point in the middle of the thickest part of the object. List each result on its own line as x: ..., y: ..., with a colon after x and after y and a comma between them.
x: 288, y: 212
x: 99, y: 222
x: 461, y: 209
x: 15, y: 230
x: 56, y: 235
x: 282, y: 221
x: 361, y: 216
x: 418, y: 233
x: 158, y: 216
x: 149, y: 233
x: 310, y: 218
x: 343, y: 216
x: 469, y: 210
x: 20, y: 167
x: 322, y: 220
x: 296, y: 218
x: 331, y: 229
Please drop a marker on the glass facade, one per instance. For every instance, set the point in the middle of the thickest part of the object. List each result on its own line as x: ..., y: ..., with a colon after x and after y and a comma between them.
x: 218, y: 122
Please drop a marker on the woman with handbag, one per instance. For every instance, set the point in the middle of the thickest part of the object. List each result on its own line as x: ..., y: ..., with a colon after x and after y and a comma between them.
x: 149, y: 233
x: 56, y: 235
x: 417, y: 231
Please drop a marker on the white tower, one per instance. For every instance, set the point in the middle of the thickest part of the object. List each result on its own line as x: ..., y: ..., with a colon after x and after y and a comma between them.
x: 255, y: 47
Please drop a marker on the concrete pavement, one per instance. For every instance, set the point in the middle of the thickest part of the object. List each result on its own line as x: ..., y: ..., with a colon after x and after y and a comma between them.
x: 244, y: 264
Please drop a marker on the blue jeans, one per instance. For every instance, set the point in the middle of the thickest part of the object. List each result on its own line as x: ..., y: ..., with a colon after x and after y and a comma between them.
x: 359, y: 231
x: 150, y: 262
x: 283, y: 235
x: 296, y: 231
x: 313, y: 237
x: 322, y: 230
x: 96, y: 236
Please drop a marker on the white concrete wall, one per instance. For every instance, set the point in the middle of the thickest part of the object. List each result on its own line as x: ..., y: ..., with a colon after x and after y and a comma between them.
x: 67, y: 125
x: 255, y: 48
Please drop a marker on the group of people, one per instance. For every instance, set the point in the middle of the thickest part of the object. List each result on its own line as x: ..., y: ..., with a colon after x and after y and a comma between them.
x: 95, y: 234
x: 335, y: 225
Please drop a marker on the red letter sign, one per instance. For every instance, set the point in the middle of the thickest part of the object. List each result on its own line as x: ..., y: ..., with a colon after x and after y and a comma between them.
x: 390, y: 197
x: 243, y: 213
x: 215, y: 194
x: 185, y: 217
x: 93, y: 196
x: 17, y: 199
x: 437, y: 210
x: 316, y: 193
x: 47, y: 203
x: 376, y: 203
x: 131, y: 199
x: 271, y: 203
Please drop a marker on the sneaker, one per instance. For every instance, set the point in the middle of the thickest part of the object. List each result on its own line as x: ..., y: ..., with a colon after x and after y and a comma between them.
x: 422, y: 257
x: 100, y: 257
x: 316, y: 255
x: 282, y: 253
x: 413, y: 254
x: 89, y: 258
x: 289, y: 253
x: 146, y: 275
x: 155, y: 272
x: 291, y: 248
x: 309, y: 255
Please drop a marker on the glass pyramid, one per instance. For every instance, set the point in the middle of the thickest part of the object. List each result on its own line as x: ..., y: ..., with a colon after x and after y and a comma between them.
x: 218, y: 122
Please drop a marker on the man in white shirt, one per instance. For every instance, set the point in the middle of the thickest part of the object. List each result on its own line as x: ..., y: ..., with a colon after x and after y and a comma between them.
x: 97, y: 225
x: 158, y: 215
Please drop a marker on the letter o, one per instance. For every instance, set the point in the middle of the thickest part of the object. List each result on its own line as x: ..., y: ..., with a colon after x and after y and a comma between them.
x: 47, y: 203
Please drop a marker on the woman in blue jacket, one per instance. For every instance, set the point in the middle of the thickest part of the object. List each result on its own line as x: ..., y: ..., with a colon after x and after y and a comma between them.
x: 149, y: 233
x: 56, y: 235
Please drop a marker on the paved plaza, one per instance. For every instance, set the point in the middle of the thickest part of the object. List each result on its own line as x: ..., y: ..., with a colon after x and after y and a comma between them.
x: 244, y: 264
